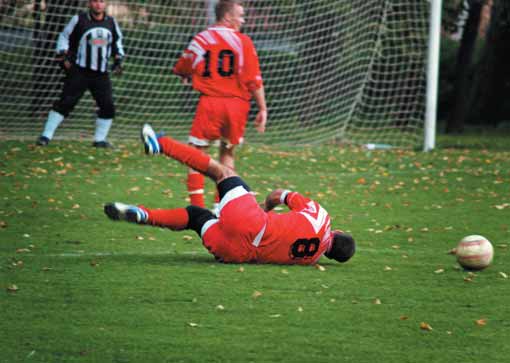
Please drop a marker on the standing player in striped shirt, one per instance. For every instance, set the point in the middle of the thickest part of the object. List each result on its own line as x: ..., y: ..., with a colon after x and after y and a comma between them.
x: 83, y: 50
x: 243, y: 232
x: 223, y: 66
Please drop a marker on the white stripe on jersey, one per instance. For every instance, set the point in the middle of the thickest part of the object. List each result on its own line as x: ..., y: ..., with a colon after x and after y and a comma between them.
x: 208, y: 37
x: 232, y: 194
x: 63, y: 38
x: 199, y: 52
x: 259, y: 236
x: 317, y: 218
x: 120, y: 48
x: 208, y: 225
x: 95, y: 34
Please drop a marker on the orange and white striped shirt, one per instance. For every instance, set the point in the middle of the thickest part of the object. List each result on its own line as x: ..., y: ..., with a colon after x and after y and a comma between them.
x: 221, y: 62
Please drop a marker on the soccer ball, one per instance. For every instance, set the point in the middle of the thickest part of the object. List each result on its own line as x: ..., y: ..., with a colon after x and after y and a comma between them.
x: 474, y: 252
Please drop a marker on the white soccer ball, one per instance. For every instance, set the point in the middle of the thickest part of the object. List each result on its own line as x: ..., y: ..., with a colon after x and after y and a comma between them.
x: 474, y: 252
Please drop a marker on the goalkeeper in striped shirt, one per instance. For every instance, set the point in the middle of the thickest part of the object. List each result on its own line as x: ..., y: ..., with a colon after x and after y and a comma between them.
x: 83, y: 50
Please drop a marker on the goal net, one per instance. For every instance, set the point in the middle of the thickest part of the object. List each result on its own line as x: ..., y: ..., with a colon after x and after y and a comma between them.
x: 334, y: 70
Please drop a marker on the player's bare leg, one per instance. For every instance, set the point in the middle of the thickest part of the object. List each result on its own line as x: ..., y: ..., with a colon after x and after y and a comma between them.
x: 188, y: 155
x: 226, y: 158
x: 195, y: 183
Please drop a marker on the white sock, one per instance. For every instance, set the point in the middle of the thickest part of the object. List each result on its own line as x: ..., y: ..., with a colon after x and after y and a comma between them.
x: 102, y: 127
x: 54, y: 120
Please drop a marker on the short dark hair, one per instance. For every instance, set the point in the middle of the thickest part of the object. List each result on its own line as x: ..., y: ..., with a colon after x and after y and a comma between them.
x: 343, y: 247
x: 224, y: 6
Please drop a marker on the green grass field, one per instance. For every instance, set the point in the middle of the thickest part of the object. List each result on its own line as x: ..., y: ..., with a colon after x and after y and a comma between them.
x: 76, y: 287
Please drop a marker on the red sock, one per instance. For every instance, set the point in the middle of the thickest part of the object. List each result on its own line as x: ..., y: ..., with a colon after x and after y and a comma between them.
x: 175, y: 219
x: 195, y: 184
x: 186, y: 154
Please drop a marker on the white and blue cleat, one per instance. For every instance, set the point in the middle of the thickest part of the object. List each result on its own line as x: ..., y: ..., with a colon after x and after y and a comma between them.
x: 125, y: 212
x: 150, y: 140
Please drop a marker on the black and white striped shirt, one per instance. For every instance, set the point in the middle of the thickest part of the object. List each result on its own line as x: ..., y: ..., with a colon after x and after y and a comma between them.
x: 90, y: 43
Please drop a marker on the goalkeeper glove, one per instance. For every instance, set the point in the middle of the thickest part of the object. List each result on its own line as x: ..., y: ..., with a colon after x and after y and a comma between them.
x: 117, y: 67
x: 64, y: 61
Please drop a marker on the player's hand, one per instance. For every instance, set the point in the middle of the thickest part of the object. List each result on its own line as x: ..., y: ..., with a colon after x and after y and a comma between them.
x: 272, y: 200
x: 260, y: 121
x: 117, y: 68
x: 63, y: 61
x: 185, y: 80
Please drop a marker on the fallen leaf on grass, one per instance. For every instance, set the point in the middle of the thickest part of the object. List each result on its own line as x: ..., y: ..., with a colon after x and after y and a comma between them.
x: 376, y: 302
x: 439, y: 271
x: 425, y: 326
x: 3, y: 224
x: 387, y: 268
x: 193, y: 325
x: 240, y: 269
x: 481, y: 322
x: 275, y: 315
x: 404, y: 317
x: 12, y: 288
x: 187, y: 238
x: 320, y: 268
x: 22, y: 250
x: 361, y: 181
x: 220, y: 307
x: 503, y: 275
x: 256, y: 294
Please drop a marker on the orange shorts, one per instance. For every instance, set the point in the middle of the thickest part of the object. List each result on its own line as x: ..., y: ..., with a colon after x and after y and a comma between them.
x: 219, y: 118
x: 233, y: 237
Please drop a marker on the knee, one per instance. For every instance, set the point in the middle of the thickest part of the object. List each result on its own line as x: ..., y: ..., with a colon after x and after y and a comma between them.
x: 227, y: 172
x: 106, y: 111
x: 65, y: 105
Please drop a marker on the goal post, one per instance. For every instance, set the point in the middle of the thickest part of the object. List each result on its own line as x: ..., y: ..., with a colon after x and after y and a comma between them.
x: 345, y: 71
x: 432, y: 75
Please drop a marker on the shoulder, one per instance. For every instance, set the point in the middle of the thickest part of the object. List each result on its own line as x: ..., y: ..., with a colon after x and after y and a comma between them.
x: 82, y: 15
x: 110, y: 19
x: 245, y: 38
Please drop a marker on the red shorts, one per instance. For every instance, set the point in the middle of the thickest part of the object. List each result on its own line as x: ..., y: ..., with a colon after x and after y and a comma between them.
x: 234, y: 236
x: 219, y: 118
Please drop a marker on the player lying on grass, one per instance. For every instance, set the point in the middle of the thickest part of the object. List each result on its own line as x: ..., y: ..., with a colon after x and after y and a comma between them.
x: 243, y: 232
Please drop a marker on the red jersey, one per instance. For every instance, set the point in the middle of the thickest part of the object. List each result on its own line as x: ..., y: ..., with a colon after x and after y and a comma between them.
x: 244, y: 232
x: 221, y: 62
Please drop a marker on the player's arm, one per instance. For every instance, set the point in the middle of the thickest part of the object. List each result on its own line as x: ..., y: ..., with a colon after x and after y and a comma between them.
x: 117, y: 50
x: 260, y: 99
x: 252, y: 78
x: 293, y: 200
x: 63, y: 56
x: 189, y: 60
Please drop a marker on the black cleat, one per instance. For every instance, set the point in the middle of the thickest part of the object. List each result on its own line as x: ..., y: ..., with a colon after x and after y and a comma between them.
x: 102, y: 144
x: 125, y: 212
x: 42, y: 141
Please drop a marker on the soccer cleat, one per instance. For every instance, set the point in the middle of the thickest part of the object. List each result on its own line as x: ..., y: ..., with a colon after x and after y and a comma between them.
x: 150, y: 140
x: 102, y: 144
x: 42, y: 141
x: 125, y: 212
